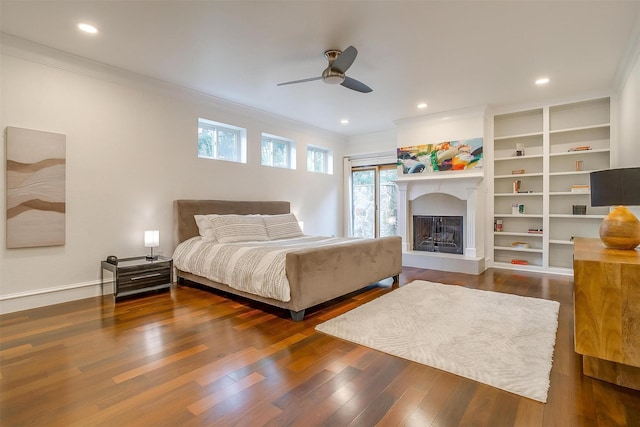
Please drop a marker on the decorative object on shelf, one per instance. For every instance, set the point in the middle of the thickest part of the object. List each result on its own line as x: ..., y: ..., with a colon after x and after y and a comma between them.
x: 520, y: 245
x: 579, y: 209
x: 535, y: 231
x: 580, y: 148
x: 579, y: 165
x: 516, y: 186
x: 498, y: 226
x: 519, y: 150
x: 519, y: 261
x: 517, y: 209
x: 151, y: 240
x: 36, y: 163
x: 616, y: 187
x: 517, y: 172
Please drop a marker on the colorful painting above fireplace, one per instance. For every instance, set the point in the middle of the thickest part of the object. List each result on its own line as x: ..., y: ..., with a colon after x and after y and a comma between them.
x: 444, y: 156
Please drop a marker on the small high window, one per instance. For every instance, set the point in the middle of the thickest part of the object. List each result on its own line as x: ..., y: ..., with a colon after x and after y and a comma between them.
x: 221, y: 141
x: 278, y: 152
x: 319, y: 160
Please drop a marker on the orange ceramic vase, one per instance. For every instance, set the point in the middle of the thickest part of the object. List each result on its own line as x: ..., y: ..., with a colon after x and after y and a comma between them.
x: 620, y: 229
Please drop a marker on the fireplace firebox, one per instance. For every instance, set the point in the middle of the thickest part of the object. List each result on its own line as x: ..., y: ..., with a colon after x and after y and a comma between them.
x: 438, y: 234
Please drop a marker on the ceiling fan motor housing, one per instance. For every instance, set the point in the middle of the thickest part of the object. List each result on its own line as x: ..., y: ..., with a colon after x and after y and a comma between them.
x: 329, y: 75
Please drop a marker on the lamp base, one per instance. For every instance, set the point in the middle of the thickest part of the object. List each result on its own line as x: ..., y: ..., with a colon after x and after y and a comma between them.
x: 620, y: 229
x: 151, y: 257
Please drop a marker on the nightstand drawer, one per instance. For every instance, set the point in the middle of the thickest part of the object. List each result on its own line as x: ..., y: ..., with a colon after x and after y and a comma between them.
x: 143, y: 279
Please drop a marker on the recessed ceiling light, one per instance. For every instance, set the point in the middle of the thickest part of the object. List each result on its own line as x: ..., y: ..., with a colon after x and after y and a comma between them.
x: 422, y: 105
x: 344, y: 121
x: 87, y: 28
x: 542, y: 81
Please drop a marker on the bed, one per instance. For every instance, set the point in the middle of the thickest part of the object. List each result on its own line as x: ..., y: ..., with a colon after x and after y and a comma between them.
x: 315, y: 275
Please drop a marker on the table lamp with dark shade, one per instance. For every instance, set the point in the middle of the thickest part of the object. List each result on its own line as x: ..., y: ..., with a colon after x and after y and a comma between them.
x: 620, y: 188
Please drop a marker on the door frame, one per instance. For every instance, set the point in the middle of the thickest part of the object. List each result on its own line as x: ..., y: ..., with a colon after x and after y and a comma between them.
x: 376, y: 168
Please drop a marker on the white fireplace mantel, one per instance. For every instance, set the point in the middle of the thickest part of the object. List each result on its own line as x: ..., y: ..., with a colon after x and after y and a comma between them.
x: 460, y: 184
x: 454, y: 183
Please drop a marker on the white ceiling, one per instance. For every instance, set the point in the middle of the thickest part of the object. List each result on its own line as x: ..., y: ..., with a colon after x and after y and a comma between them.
x: 450, y: 54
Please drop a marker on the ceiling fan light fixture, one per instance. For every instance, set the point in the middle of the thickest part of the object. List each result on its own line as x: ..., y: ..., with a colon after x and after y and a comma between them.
x: 333, y: 80
x: 87, y: 28
x: 332, y: 77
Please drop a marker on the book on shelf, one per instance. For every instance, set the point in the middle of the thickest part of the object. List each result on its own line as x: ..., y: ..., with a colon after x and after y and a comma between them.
x: 580, y: 148
x: 517, y: 172
x: 519, y: 245
x: 519, y: 261
x: 535, y: 231
x: 580, y: 188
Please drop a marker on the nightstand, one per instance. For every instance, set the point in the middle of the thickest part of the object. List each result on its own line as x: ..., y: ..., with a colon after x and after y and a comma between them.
x: 137, y: 275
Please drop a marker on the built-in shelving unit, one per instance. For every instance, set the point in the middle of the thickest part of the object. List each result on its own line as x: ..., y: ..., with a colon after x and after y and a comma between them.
x: 540, y: 148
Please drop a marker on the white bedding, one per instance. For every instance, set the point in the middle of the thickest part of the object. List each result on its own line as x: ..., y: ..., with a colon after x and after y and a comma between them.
x: 254, y: 267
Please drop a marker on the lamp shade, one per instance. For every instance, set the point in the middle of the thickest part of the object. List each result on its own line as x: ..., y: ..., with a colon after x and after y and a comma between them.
x: 151, y: 239
x: 614, y: 187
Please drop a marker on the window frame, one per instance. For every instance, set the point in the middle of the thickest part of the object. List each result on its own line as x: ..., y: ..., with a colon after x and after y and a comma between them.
x: 327, y: 162
x: 290, y: 150
x: 240, y: 154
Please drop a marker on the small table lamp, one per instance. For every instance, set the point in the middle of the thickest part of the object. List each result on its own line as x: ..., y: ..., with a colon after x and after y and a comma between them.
x: 616, y: 187
x: 151, y: 240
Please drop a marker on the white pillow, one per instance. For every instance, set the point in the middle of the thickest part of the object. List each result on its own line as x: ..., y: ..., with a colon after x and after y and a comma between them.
x: 283, y: 226
x: 205, y: 228
x: 238, y: 228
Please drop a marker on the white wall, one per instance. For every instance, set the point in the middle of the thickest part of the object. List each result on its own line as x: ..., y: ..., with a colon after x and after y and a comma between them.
x: 376, y: 142
x: 131, y: 148
x: 441, y: 127
x: 627, y: 150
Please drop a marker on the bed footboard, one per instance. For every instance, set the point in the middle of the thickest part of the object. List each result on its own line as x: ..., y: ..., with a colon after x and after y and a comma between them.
x: 320, y: 274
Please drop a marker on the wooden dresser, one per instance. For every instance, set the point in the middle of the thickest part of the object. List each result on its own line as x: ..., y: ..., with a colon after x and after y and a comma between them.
x: 607, y: 311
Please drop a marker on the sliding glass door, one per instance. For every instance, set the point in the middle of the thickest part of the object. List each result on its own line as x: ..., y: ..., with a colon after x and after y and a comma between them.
x: 373, y: 201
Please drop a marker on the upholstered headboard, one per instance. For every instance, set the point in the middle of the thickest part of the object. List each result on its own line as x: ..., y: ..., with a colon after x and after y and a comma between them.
x: 184, y: 225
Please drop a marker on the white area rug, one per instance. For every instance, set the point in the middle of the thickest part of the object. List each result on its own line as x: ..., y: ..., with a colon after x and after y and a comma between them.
x: 502, y: 340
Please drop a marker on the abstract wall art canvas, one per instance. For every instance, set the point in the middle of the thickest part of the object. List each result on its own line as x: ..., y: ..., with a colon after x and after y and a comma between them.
x: 445, y: 156
x: 35, y: 188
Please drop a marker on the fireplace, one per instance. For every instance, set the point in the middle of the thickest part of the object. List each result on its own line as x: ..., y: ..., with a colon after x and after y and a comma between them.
x: 444, y: 194
x: 438, y: 234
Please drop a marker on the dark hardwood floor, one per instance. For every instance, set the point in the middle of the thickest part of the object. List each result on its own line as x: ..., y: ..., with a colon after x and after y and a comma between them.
x: 191, y: 358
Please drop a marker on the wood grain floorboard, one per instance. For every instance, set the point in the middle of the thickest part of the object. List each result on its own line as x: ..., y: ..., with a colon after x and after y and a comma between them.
x: 190, y: 357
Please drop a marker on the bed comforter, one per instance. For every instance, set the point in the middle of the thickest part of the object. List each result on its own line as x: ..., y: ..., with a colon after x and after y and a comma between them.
x: 254, y: 267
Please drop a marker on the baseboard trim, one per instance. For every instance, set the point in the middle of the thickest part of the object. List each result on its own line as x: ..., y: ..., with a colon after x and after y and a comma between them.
x: 19, y: 301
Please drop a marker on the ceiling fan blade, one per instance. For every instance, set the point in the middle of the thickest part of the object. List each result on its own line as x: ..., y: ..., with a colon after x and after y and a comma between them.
x: 356, y: 85
x: 300, y: 81
x: 346, y: 58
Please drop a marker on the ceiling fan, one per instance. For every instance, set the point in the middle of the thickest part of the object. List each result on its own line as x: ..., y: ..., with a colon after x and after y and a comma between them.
x: 339, y: 63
